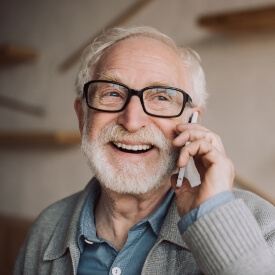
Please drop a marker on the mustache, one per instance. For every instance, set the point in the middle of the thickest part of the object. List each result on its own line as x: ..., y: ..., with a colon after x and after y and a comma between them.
x: 150, y: 134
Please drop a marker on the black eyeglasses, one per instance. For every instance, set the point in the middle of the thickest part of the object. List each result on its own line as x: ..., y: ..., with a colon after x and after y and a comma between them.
x: 158, y: 101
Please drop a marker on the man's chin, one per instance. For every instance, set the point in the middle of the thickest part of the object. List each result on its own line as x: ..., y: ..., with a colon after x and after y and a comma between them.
x: 130, y: 188
x: 127, y: 180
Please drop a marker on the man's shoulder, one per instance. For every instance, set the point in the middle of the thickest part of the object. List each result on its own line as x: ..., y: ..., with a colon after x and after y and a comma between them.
x: 262, y: 210
x: 50, y: 218
x: 61, y: 211
x: 54, y: 211
x: 252, y: 200
x: 52, y: 232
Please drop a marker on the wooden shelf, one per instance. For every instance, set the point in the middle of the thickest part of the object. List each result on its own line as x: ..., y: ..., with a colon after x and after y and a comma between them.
x: 19, y: 106
x: 29, y: 139
x: 250, y: 21
x: 13, y: 54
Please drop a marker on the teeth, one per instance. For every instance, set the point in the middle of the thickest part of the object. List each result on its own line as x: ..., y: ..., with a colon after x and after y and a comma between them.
x: 132, y: 147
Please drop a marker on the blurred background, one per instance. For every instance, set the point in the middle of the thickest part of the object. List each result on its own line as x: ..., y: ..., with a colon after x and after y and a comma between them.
x: 40, y: 46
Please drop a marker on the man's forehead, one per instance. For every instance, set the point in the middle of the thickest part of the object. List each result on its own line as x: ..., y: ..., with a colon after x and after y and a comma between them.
x: 158, y: 62
x: 117, y: 77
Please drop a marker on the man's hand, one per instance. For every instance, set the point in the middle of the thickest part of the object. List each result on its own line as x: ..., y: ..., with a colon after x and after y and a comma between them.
x: 215, y: 168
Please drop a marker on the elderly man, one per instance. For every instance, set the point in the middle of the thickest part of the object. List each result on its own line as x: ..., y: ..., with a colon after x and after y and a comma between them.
x: 137, y: 91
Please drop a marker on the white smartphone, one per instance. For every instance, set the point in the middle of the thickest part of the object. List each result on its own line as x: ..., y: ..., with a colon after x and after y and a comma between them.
x: 182, y: 170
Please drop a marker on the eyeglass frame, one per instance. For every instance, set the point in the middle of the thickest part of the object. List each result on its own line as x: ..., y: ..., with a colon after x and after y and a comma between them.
x: 138, y: 93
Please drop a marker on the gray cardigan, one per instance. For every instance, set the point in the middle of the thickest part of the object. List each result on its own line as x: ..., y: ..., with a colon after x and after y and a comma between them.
x: 236, y: 238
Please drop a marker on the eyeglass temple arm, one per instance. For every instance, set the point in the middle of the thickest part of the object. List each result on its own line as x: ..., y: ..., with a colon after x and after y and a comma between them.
x: 189, y: 100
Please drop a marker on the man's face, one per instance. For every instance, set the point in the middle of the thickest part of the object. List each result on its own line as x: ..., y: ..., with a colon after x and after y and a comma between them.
x: 130, y: 151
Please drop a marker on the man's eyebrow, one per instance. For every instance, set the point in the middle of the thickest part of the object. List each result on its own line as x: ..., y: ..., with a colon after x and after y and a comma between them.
x: 116, y: 77
x: 111, y: 76
x: 160, y: 83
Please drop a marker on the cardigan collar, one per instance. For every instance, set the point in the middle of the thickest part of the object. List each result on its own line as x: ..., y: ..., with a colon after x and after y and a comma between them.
x: 65, y: 234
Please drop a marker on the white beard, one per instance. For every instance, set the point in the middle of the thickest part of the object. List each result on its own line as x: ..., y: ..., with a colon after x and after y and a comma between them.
x: 127, y: 176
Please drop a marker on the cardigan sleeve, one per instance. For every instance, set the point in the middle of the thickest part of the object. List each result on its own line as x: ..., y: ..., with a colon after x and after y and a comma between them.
x: 232, y: 239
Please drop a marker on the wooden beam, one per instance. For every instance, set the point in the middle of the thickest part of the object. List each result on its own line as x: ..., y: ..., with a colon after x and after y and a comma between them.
x: 35, y: 138
x: 122, y: 19
x: 20, y: 106
x: 250, y: 20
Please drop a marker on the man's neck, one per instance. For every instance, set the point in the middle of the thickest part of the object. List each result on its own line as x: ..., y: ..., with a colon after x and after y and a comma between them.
x: 116, y: 213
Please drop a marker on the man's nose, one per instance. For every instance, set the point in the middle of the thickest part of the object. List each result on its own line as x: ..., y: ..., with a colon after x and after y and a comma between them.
x: 133, y: 117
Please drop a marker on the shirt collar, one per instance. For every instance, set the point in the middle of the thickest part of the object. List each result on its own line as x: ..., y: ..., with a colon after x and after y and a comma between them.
x: 156, y: 218
x: 86, y: 227
x: 87, y: 230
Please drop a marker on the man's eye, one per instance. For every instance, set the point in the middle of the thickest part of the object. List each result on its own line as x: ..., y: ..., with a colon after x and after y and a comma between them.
x: 111, y: 95
x: 115, y: 94
x: 160, y: 98
x: 158, y: 94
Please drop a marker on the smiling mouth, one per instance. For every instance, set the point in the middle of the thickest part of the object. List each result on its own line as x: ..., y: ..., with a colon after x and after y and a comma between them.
x: 133, y: 149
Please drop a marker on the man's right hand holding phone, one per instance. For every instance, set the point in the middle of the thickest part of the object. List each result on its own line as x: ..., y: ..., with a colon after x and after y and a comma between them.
x: 214, y: 167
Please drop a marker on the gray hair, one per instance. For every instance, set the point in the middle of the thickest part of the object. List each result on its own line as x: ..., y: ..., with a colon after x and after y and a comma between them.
x: 191, y: 59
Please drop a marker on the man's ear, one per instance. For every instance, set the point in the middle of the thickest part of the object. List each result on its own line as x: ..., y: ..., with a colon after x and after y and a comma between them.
x: 80, y: 113
x: 198, y: 110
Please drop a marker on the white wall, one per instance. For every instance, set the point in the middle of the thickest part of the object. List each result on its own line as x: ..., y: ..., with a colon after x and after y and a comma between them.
x: 239, y: 73
x: 241, y: 81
